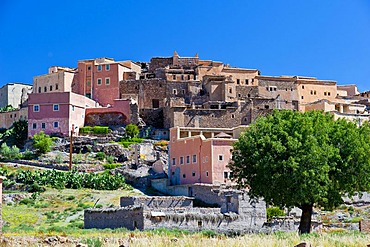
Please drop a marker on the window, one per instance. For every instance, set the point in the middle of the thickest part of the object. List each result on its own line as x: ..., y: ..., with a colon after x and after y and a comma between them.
x: 56, y: 124
x: 183, y: 91
x: 193, y: 174
x: 39, y: 89
x: 88, y: 95
x: 188, y: 159
x: 238, y: 81
x: 232, y: 116
x: 99, y: 67
x: 155, y: 103
x: 328, y: 93
x: 51, y: 88
x: 11, y: 115
x: 194, y: 158
x: 55, y: 107
x: 107, y: 81
x: 301, y: 97
x: 36, y: 108
x: 302, y: 86
x: 174, y: 92
x: 230, y: 90
x: 88, y: 67
x: 206, y: 173
x: 220, y: 157
x: 73, y: 108
x: 173, y: 161
x: 325, y: 93
x: 107, y: 67
x: 174, y: 77
x: 181, y: 160
x: 99, y: 81
x: 267, y: 107
x: 45, y: 89
x: 226, y: 175
x: 42, y: 125
x: 182, y: 77
x: 184, y: 175
x: 188, y: 77
x: 56, y: 86
x: 246, y: 82
x: 34, y: 126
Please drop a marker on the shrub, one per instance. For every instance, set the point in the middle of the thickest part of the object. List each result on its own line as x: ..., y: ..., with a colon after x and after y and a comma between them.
x: 132, y: 130
x: 110, y: 159
x: 58, y: 159
x: 94, y: 130
x: 20, y: 132
x: 161, y: 143
x: 273, y: 212
x: 35, y: 187
x: 42, y: 142
x: 28, y: 155
x: 100, y: 156
x: 9, y: 153
x: 76, y: 158
x: 111, y: 166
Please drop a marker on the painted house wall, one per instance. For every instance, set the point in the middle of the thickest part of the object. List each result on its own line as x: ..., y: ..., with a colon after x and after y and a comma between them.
x: 64, y: 116
x: 8, y: 118
x: 206, y: 167
x: 55, y: 81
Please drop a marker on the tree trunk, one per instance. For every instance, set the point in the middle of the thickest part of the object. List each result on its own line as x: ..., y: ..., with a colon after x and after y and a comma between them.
x: 305, y: 224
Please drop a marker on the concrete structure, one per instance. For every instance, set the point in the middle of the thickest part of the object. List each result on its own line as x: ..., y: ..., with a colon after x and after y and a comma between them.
x: 58, y: 79
x: 55, y: 113
x: 99, y: 78
x: 14, y: 94
x: 7, y: 119
x: 200, y: 155
x: 236, y: 214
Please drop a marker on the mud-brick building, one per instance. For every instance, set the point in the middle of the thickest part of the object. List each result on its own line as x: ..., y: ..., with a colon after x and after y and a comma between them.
x: 236, y: 214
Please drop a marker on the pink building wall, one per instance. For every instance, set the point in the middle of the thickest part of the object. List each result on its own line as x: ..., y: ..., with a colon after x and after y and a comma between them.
x: 206, y: 166
x: 119, y: 106
x: 71, y: 110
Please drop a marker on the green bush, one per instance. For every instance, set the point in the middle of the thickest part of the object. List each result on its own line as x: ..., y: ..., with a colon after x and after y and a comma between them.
x: 58, y: 159
x: 111, y: 166
x: 70, y: 179
x: 110, y: 159
x: 132, y: 130
x: 28, y: 155
x: 100, y: 156
x: 9, y: 153
x: 94, y: 130
x: 273, y: 212
x: 42, y: 143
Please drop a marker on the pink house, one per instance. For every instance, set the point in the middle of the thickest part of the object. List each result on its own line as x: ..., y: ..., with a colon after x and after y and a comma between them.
x: 56, y: 112
x: 201, y: 155
x: 99, y: 79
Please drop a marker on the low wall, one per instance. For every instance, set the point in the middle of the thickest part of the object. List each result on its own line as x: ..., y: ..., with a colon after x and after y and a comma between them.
x: 157, y: 202
x: 128, y: 217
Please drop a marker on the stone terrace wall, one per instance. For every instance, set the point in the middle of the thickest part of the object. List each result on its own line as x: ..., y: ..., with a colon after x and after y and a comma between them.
x: 198, y: 219
x: 158, y: 202
x: 128, y: 217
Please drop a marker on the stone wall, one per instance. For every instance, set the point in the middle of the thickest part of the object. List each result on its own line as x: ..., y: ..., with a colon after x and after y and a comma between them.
x: 128, y: 217
x: 159, y: 62
x: 152, y: 117
x: 157, y: 202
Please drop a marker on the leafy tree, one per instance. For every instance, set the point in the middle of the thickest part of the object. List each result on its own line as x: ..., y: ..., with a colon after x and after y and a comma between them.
x: 132, y: 130
x: 302, y: 159
x: 42, y: 142
x: 20, y: 132
x: 7, y: 108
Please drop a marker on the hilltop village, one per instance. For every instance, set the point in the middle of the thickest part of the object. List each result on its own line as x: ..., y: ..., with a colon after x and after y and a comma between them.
x: 200, y: 106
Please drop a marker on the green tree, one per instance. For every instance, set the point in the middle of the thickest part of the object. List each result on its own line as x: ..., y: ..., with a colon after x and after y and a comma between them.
x: 302, y: 159
x: 20, y: 132
x: 132, y: 130
x: 42, y: 143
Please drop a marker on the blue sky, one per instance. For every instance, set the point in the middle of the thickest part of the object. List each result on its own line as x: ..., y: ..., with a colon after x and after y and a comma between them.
x: 325, y: 39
